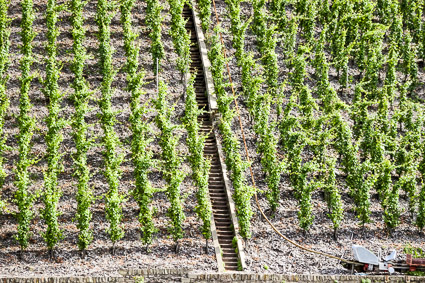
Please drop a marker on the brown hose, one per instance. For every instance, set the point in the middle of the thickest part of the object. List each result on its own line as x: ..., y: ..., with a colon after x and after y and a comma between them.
x: 250, y: 168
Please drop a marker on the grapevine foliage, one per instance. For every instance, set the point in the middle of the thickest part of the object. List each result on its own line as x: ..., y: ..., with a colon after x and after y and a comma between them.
x: 154, y: 22
x: 234, y: 162
x: 83, y: 142
x: 4, y: 98
x: 200, y: 165
x: 181, y: 38
x: 174, y: 176
x: 112, y: 157
x: 205, y: 13
x: 54, y: 137
x: 141, y: 155
x: 23, y: 197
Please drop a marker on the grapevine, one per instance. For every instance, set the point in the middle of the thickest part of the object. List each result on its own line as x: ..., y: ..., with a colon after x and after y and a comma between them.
x: 234, y: 163
x: 82, y: 141
x: 335, y: 205
x: 172, y: 161
x: 4, y: 99
x: 23, y: 197
x: 54, y: 137
x: 141, y: 155
x: 154, y: 23
x: 181, y: 39
x: 205, y: 13
x: 112, y: 158
x: 200, y: 165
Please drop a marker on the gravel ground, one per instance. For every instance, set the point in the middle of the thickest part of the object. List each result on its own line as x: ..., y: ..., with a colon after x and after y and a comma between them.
x: 130, y: 252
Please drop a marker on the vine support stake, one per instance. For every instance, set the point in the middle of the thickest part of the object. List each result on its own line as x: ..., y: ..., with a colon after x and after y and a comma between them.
x: 157, y: 77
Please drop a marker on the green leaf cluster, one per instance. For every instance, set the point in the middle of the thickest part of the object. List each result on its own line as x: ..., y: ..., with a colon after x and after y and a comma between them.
x: 141, y: 154
x: 154, y: 23
x: 26, y: 124
x: 111, y: 143
x: 173, y: 175
x: 83, y: 142
x: 4, y: 98
x: 199, y: 163
x: 243, y: 193
x: 54, y: 137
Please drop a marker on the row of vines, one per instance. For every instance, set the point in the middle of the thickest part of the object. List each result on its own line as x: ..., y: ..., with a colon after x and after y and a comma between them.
x: 168, y: 134
x: 335, y: 93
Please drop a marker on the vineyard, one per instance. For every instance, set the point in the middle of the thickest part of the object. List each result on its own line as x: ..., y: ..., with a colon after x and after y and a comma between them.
x: 102, y: 155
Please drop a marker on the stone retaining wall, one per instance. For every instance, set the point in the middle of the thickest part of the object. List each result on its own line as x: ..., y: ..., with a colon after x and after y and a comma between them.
x: 257, y: 278
x: 188, y: 276
x: 155, y: 275
x: 64, y: 280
